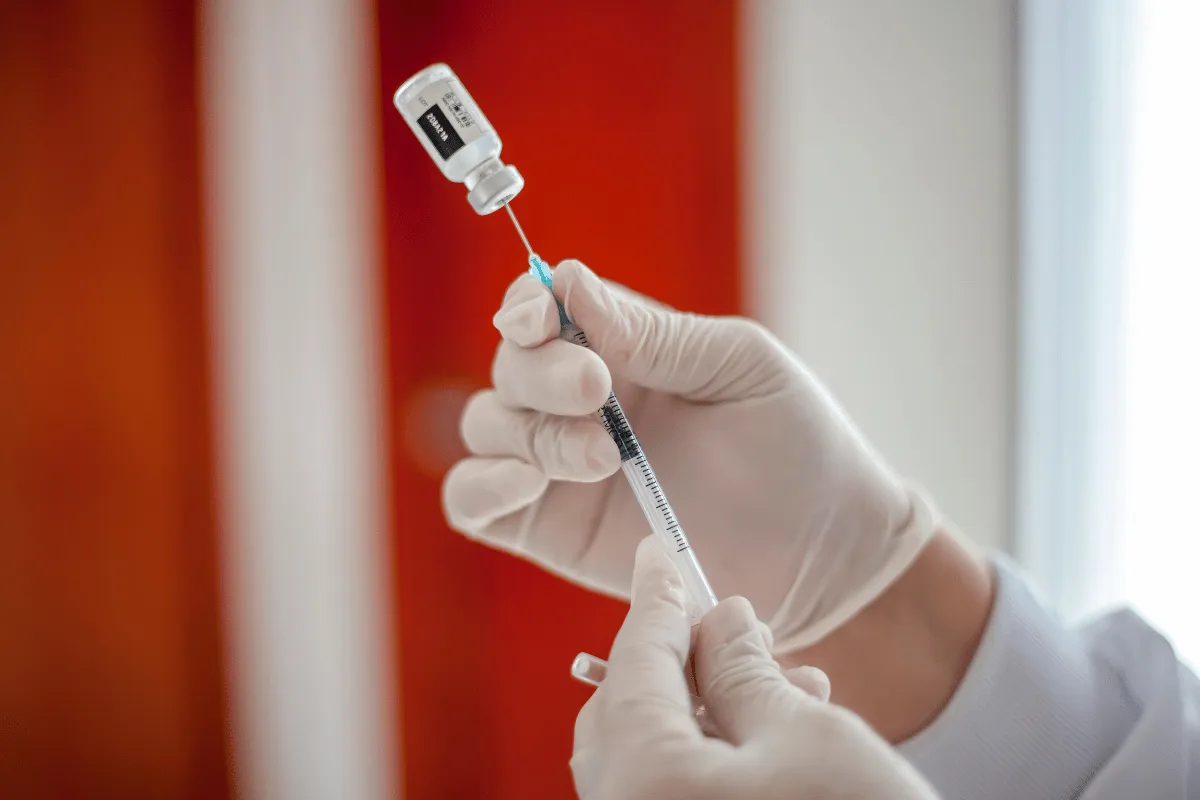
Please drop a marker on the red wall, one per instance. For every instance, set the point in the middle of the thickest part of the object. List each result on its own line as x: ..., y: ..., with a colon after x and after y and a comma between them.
x: 111, y: 679
x: 622, y: 116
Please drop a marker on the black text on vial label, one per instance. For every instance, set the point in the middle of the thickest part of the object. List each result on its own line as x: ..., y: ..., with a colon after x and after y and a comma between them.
x: 441, y: 133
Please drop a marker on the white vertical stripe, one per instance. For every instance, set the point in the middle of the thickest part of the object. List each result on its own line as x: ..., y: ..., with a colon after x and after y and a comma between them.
x: 1157, y: 545
x: 1074, y: 75
x: 880, y: 177
x: 289, y: 96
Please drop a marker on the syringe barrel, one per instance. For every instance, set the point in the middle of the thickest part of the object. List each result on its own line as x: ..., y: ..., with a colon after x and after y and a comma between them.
x: 640, y: 475
x: 662, y: 519
x: 651, y: 497
x: 458, y: 137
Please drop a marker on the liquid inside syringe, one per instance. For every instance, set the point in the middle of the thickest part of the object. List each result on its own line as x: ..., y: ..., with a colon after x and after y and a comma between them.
x: 635, y: 465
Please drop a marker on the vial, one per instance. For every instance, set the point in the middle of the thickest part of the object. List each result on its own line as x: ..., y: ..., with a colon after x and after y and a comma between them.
x: 458, y: 137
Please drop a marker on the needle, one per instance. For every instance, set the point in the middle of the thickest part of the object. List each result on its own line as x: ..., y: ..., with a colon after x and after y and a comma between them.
x: 517, y: 225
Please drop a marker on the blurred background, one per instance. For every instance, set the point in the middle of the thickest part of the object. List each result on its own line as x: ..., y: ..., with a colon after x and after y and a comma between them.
x: 240, y: 311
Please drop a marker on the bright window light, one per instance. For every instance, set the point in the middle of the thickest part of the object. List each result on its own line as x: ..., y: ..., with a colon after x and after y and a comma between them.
x: 1158, y: 539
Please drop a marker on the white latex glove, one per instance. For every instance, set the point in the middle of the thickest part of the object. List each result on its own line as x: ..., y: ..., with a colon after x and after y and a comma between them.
x: 636, y: 739
x: 782, y: 499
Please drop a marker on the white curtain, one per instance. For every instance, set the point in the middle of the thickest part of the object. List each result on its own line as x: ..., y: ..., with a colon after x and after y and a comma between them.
x: 1108, y: 431
x: 1158, y: 541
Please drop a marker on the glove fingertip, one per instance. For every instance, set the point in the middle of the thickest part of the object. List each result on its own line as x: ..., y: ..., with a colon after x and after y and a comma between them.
x: 653, y: 571
x: 477, y: 491
x: 530, y: 322
x: 594, y: 381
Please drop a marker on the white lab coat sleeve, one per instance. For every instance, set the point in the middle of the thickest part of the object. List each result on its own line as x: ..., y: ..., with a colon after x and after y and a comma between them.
x: 1102, y: 712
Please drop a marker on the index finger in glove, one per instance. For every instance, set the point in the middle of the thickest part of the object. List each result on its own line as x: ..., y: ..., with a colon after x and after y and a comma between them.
x: 528, y: 317
x: 558, y: 377
x: 564, y: 448
x: 739, y: 680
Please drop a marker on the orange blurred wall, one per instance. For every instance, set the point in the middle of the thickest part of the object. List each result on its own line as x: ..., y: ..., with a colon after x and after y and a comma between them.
x: 111, y: 680
x: 622, y: 116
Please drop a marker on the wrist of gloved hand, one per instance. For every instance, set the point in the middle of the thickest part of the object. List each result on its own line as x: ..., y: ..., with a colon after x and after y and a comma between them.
x: 898, y: 662
x: 863, y: 578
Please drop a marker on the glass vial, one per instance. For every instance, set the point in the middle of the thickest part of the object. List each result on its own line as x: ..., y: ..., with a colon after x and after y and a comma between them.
x: 458, y: 137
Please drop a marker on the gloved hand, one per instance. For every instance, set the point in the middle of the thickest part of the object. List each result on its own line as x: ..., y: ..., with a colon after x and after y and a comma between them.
x: 636, y: 739
x: 782, y: 499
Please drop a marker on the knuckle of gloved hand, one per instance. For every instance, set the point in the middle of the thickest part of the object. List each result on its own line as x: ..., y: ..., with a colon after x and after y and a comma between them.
x: 594, y: 379
x: 475, y: 415
x: 810, y: 680
x: 658, y: 643
x: 456, y: 518
x: 623, y: 714
x: 768, y: 636
x: 745, y: 329
x: 476, y: 404
x: 498, y: 368
x: 524, y: 285
x: 633, y: 328
x: 530, y: 322
x: 547, y: 443
x: 652, y: 771
x: 751, y: 336
x: 741, y: 675
x: 464, y: 525
x: 729, y: 637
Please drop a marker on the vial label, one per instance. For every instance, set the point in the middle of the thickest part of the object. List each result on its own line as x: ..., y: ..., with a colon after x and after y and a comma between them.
x: 439, y: 130
x: 448, y: 117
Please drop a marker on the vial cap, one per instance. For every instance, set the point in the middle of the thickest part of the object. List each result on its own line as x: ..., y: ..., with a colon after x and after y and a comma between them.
x: 492, y: 192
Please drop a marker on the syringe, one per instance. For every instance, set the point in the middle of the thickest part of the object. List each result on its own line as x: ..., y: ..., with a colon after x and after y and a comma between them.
x: 634, y: 464
x: 466, y: 148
